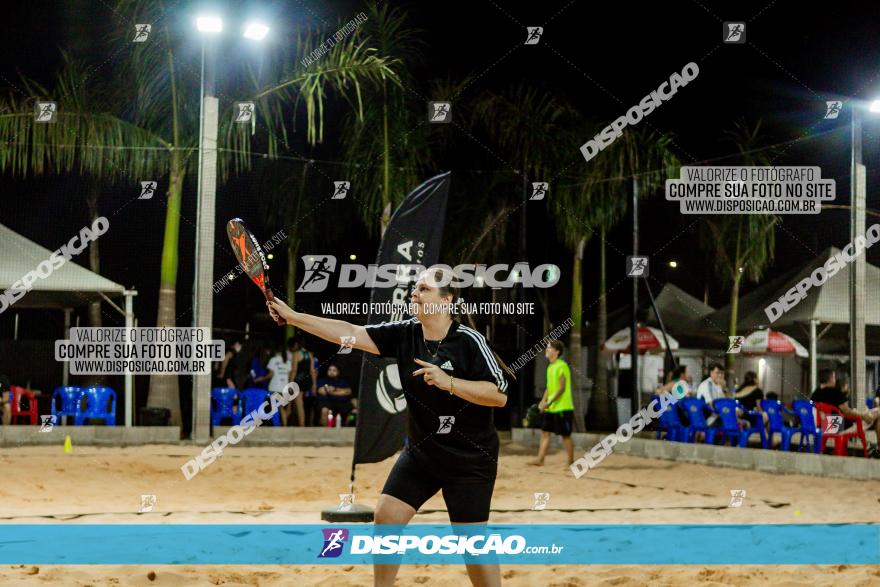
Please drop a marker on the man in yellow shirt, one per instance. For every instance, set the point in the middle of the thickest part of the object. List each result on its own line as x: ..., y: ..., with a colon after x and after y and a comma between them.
x: 556, y: 405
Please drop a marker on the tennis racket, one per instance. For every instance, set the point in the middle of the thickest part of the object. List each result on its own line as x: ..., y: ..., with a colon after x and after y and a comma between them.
x: 249, y: 253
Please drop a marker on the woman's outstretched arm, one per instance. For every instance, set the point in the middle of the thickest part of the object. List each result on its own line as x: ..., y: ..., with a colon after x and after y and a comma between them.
x: 327, y: 328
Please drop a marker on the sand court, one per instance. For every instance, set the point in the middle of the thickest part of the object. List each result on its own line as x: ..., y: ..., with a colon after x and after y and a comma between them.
x: 291, y: 485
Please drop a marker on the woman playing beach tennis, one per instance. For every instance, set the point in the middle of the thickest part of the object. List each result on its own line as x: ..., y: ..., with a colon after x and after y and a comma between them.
x: 451, y: 380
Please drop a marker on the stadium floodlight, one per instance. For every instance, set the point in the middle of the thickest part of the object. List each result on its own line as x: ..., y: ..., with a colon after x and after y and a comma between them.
x: 673, y: 264
x: 875, y: 106
x: 209, y: 24
x: 255, y: 30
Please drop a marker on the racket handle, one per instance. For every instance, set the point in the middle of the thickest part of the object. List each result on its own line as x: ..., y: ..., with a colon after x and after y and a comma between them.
x: 270, y: 297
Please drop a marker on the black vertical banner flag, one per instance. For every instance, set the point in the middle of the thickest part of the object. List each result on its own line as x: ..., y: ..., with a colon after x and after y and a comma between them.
x: 413, y: 237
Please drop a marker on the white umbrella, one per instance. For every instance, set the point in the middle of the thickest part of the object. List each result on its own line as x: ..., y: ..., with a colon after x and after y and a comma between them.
x: 772, y: 342
x: 648, y: 339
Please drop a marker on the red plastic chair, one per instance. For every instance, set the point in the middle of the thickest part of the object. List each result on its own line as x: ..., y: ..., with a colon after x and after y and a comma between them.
x: 841, y: 439
x: 17, y: 392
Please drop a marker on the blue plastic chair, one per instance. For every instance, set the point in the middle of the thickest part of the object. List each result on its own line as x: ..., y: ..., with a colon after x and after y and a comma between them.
x: 71, y: 398
x: 670, y: 421
x: 803, y: 409
x: 776, y: 411
x: 726, y: 409
x: 695, y: 409
x: 97, y: 400
x: 252, y: 398
x: 222, y: 404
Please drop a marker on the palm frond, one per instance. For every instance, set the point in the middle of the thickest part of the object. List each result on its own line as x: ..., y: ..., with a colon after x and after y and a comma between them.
x: 87, y: 137
x: 344, y: 70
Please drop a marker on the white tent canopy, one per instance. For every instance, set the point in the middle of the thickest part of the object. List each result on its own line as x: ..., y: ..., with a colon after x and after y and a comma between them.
x: 67, y: 287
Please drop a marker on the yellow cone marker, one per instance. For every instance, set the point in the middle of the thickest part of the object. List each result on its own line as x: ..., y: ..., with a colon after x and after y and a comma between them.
x: 68, y: 446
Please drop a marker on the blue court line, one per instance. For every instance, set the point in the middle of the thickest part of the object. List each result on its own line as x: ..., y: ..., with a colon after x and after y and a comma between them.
x: 262, y: 544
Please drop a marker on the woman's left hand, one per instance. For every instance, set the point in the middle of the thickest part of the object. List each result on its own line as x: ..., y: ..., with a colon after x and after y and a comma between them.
x: 433, y: 375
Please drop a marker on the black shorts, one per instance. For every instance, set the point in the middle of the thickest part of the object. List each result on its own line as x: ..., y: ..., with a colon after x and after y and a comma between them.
x: 558, y: 422
x: 468, y: 500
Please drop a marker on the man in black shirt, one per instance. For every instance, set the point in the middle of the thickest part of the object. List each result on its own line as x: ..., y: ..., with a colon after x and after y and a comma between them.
x: 829, y: 393
x: 451, y: 380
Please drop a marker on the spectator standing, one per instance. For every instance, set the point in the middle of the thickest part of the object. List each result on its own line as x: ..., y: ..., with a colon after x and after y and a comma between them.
x: 303, y: 374
x: 279, y: 368
x: 259, y: 374
x: 227, y: 372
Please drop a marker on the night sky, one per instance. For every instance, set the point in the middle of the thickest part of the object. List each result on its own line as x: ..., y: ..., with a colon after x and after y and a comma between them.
x: 602, y: 57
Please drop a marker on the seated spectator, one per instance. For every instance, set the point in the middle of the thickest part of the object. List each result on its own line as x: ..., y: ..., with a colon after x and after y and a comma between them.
x: 668, y: 382
x: 334, y: 394
x: 709, y: 390
x: 259, y: 375
x: 4, y: 397
x: 712, y: 388
x: 679, y: 387
x: 829, y: 393
x: 749, y: 394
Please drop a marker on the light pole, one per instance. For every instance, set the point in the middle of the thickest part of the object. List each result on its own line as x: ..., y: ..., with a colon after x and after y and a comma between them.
x: 210, y: 27
x: 634, y: 317
x: 858, y: 381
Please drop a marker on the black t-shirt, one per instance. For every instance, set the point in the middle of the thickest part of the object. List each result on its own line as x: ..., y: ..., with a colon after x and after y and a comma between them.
x: 750, y: 402
x: 829, y: 395
x: 449, y: 435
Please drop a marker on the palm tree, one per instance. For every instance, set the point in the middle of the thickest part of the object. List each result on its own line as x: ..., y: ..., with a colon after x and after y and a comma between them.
x: 517, y: 122
x: 87, y: 139
x: 743, y: 243
x: 388, y: 144
x: 163, y: 94
x: 591, y: 207
x: 156, y: 134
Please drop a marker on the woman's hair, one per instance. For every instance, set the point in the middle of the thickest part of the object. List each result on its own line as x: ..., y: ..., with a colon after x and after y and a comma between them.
x: 750, y: 378
x: 679, y: 371
x: 442, y: 278
x: 296, y: 342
